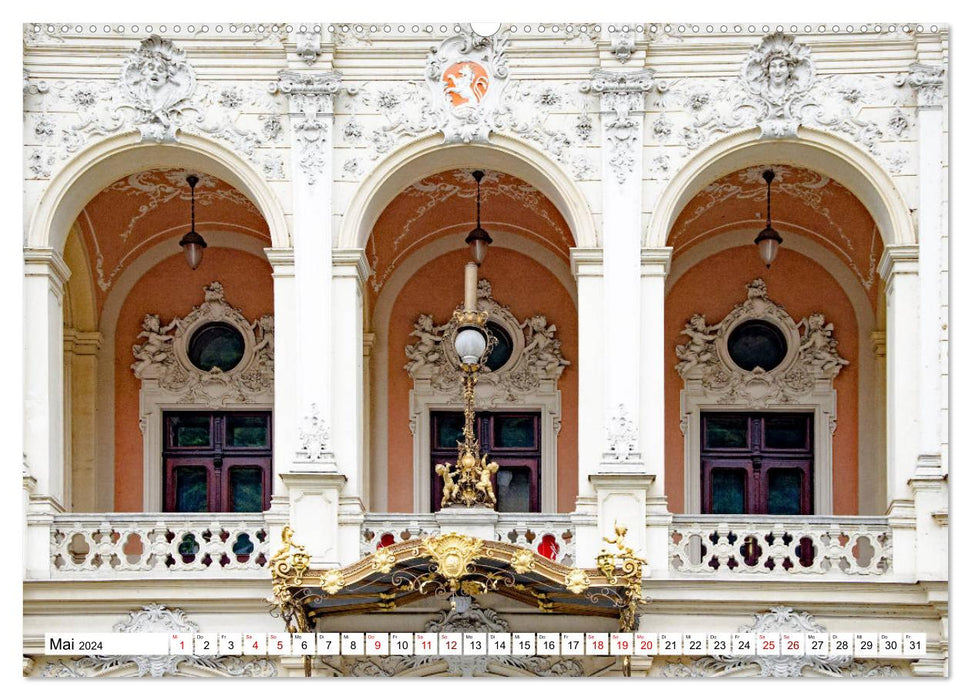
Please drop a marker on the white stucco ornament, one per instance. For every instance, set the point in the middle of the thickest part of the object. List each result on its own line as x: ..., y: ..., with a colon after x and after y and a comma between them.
x: 778, y: 73
x: 157, y: 80
x: 466, y: 75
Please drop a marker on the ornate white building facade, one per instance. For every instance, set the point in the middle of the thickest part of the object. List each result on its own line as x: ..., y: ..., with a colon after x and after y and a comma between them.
x: 774, y: 440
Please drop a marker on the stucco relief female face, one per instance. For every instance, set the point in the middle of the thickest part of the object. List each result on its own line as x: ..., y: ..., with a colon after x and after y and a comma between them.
x: 778, y: 73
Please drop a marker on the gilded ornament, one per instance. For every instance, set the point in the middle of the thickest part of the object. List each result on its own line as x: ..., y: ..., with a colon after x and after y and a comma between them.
x: 382, y: 561
x: 522, y: 561
x: 452, y: 554
x: 332, y: 581
x: 577, y: 581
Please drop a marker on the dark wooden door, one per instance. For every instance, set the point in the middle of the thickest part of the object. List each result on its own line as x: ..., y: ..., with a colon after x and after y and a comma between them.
x: 758, y: 463
x: 217, y: 462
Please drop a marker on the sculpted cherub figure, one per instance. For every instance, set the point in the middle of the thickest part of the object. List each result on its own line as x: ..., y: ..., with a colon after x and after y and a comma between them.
x: 427, y: 350
x: 156, y: 348
x: 449, y: 487
x: 698, y: 350
x: 484, y: 484
x: 818, y: 344
x: 264, y: 329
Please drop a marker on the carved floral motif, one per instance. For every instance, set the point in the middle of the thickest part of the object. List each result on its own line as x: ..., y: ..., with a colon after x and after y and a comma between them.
x: 622, y: 437
x: 313, y: 438
x: 311, y: 113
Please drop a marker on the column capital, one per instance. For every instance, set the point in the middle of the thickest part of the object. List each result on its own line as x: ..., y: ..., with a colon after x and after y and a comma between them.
x: 586, y: 262
x: 46, y: 261
x: 656, y: 262
x: 281, y: 260
x: 310, y: 94
x: 898, y: 259
x: 620, y: 92
x: 351, y: 262
x: 928, y: 82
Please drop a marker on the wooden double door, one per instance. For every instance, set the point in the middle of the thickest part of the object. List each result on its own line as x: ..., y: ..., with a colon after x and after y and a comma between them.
x: 217, y: 462
x: 760, y: 463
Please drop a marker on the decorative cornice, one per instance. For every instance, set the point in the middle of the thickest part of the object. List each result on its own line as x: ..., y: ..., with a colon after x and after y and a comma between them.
x: 586, y: 262
x: 56, y: 268
x: 898, y: 259
x: 351, y: 261
x: 82, y: 342
x: 311, y: 97
x: 281, y: 260
x: 654, y: 258
x: 620, y: 92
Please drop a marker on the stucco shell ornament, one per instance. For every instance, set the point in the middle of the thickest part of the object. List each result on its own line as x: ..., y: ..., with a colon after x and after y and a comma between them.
x: 466, y: 75
x: 778, y: 73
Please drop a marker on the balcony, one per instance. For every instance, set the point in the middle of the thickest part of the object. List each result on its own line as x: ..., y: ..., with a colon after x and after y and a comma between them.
x: 700, y: 547
x: 756, y: 547
x: 149, y: 545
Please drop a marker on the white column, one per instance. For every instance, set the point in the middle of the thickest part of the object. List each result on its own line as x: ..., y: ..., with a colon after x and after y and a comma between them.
x: 313, y: 482
x: 928, y: 82
x: 45, y: 274
x: 620, y: 479
x: 285, y: 363
x: 587, y: 267
x: 899, y: 268
x: 350, y: 272
x: 655, y: 264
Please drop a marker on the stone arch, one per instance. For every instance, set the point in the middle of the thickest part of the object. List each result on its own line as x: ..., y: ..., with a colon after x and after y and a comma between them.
x: 427, y: 156
x: 106, y: 161
x: 827, y: 154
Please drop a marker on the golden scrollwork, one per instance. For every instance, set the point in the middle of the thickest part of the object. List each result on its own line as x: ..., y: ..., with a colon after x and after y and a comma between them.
x: 627, y: 565
x: 287, y: 567
x: 452, y: 553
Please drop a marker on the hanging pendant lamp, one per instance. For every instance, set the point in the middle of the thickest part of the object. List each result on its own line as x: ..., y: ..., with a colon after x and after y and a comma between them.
x: 769, y: 239
x: 479, y: 239
x: 192, y: 243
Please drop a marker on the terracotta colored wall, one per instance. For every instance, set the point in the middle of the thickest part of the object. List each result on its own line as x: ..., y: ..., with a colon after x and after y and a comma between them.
x: 172, y: 289
x: 527, y: 288
x: 713, y: 287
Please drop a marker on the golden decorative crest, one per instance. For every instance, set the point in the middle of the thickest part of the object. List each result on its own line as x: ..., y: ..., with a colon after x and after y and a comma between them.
x: 577, y: 581
x: 332, y: 581
x: 452, y: 554
x: 522, y: 561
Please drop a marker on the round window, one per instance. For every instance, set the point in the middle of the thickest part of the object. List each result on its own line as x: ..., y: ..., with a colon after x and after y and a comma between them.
x: 502, y: 350
x: 757, y: 344
x: 216, y: 345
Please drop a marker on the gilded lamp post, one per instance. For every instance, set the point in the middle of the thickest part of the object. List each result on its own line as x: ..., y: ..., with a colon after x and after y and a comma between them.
x: 469, y: 482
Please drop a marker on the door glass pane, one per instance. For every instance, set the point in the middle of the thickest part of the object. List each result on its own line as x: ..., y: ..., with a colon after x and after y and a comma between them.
x: 191, y: 490
x: 246, y: 489
x: 448, y: 429
x: 514, y: 431
x: 246, y: 431
x: 190, y: 431
x: 512, y: 490
x: 785, y: 492
x: 786, y: 432
x: 727, y: 491
x: 726, y: 431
